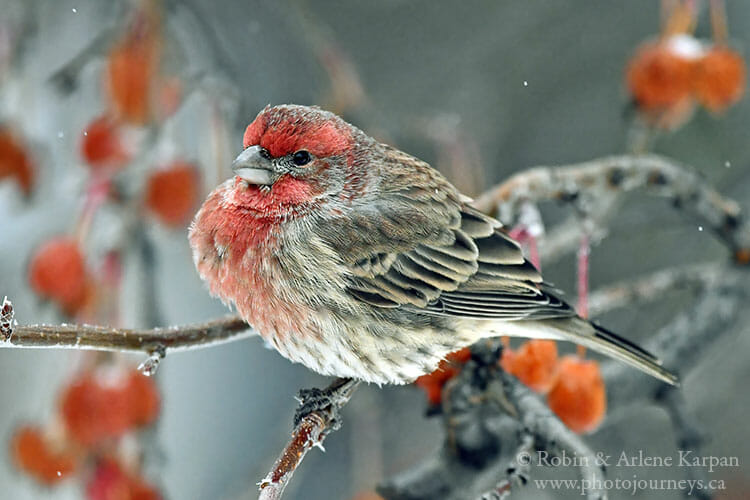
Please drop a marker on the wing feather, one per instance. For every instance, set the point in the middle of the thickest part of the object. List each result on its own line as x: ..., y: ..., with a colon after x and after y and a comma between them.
x: 416, y: 243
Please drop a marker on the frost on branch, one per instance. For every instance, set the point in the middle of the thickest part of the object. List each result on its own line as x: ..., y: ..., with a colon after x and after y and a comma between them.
x: 7, y: 320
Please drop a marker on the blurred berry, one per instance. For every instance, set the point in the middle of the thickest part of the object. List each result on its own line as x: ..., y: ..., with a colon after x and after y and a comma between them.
x: 111, y: 482
x: 93, y: 412
x: 102, y: 146
x: 143, y: 399
x: 660, y: 77
x: 57, y: 272
x: 15, y: 162
x: 534, y: 363
x: 33, y: 455
x: 433, y: 383
x: 172, y: 193
x: 578, y: 397
x: 719, y: 78
x: 132, y: 65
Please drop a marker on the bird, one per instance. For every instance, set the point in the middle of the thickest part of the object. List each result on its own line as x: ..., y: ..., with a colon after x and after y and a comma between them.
x: 361, y: 261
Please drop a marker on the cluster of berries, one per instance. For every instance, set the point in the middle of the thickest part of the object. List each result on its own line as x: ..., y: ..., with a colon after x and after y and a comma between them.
x: 140, y: 95
x: 668, y: 76
x: 137, y: 96
x: 96, y: 411
x: 573, y: 386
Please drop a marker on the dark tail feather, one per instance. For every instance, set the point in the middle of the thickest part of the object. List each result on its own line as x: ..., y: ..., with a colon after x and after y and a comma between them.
x: 624, y: 343
x: 613, y: 345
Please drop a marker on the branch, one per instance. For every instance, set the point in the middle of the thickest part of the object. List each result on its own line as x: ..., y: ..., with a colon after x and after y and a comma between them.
x: 491, y: 421
x: 653, y: 286
x: 519, y: 471
x: 150, y: 341
x: 688, y: 435
x: 683, y: 341
x: 591, y: 184
x: 313, y: 423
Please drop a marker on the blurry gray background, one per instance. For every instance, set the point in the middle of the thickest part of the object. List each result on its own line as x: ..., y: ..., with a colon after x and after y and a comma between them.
x: 524, y: 83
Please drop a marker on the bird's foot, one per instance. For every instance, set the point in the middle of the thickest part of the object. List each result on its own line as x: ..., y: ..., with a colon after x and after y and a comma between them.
x: 328, y: 400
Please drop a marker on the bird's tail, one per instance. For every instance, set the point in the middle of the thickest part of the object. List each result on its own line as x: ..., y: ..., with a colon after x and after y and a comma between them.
x: 620, y: 348
x: 594, y: 337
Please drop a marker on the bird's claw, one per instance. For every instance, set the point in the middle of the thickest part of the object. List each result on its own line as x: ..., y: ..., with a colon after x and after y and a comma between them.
x: 326, y: 400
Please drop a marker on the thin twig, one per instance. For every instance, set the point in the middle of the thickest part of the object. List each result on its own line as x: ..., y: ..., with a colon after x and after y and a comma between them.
x: 174, y: 338
x: 495, y: 427
x: 311, y: 429
x: 519, y: 470
x: 653, y: 287
x: 688, y: 436
x: 681, y: 343
x: 554, y: 436
x: 585, y: 184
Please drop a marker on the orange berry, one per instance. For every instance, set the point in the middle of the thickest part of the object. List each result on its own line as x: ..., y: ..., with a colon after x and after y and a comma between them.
x: 659, y: 75
x: 433, y: 383
x: 101, y: 146
x: 578, y: 397
x: 172, y: 193
x: 80, y: 406
x: 15, y: 162
x: 720, y: 78
x: 129, y: 77
x: 534, y: 364
x: 143, y: 397
x: 93, y: 412
x: 33, y: 455
x: 132, y: 65
x: 57, y: 271
x: 459, y: 357
x: 111, y: 482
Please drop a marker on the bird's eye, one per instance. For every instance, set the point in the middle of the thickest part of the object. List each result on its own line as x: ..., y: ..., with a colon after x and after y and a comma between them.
x: 301, y: 157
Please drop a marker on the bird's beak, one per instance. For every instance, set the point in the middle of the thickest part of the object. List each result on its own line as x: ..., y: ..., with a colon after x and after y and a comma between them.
x: 253, y: 167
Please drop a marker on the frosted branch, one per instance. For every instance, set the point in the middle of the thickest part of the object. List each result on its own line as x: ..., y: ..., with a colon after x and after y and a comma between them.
x: 317, y: 417
x: 592, y: 185
x: 152, y: 340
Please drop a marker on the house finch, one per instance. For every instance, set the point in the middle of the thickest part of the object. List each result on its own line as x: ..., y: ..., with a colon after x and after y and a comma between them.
x: 358, y: 260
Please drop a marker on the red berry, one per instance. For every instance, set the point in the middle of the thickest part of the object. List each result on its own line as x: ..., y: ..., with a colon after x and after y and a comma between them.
x: 111, y: 482
x: 143, y: 397
x: 32, y: 454
x: 720, y: 78
x: 433, y: 383
x: 658, y: 77
x: 81, y: 408
x: 58, y: 272
x: 534, y: 364
x: 102, y: 146
x: 93, y: 412
x: 172, y: 193
x: 15, y: 162
x: 132, y: 65
x: 578, y: 396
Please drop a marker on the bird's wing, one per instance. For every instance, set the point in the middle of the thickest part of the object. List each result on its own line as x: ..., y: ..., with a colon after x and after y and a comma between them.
x: 419, y: 245
x: 480, y: 273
